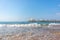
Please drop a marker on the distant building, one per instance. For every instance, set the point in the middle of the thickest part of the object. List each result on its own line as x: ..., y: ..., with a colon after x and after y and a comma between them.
x: 32, y: 20
x: 42, y: 20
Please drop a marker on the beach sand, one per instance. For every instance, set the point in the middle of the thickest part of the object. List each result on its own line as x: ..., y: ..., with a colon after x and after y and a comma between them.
x: 41, y: 35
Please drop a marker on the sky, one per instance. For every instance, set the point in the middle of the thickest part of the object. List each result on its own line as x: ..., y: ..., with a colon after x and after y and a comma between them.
x: 21, y: 10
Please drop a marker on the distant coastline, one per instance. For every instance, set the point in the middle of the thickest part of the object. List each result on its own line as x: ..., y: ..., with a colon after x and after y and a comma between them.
x: 42, y: 20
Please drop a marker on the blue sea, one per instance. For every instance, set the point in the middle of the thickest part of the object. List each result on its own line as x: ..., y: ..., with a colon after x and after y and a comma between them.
x: 27, y: 22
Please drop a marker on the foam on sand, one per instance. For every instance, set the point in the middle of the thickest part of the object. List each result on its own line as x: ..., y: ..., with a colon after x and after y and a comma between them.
x: 54, y: 25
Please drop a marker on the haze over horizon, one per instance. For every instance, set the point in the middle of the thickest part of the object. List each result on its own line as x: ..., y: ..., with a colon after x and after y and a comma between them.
x: 20, y: 10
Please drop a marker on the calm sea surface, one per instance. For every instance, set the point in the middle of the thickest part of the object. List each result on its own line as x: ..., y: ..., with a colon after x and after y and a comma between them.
x: 27, y: 22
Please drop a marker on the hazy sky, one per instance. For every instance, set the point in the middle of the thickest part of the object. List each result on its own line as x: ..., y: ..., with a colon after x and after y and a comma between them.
x: 18, y: 10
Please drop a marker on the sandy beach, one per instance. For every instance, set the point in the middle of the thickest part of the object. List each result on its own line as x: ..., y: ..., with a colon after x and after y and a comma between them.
x: 34, y: 34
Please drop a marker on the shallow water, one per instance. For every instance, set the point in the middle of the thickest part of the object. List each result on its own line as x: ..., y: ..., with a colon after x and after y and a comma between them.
x: 15, y: 30
x: 28, y: 33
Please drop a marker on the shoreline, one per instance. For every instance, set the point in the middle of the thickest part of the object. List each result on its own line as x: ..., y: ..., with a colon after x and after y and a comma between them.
x: 30, y: 25
x: 30, y: 33
x: 33, y: 35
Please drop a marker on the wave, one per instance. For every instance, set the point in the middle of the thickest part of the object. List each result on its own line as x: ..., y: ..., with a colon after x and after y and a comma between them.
x: 20, y: 25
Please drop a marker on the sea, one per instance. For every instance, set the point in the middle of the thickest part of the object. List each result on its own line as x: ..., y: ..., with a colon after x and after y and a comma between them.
x: 25, y: 22
x: 15, y: 30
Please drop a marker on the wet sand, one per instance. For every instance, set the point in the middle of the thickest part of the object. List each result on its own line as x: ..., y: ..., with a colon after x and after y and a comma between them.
x: 34, y: 34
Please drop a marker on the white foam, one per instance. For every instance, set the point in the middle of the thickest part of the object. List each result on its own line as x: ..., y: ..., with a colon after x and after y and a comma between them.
x: 54, y: 25
x: 1, y: 25
x: 20, y: 25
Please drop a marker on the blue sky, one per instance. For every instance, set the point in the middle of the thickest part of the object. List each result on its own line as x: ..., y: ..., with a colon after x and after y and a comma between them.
x: 20, y: 10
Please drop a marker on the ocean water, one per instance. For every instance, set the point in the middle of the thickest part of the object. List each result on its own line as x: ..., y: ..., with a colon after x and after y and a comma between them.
x: 15, y: 30
x: 27, y: 22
